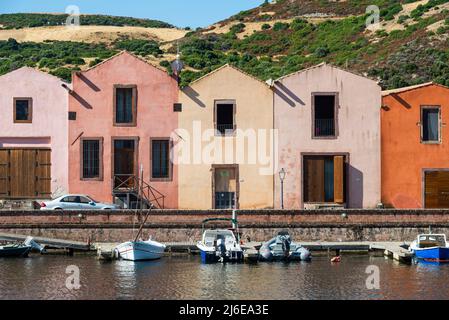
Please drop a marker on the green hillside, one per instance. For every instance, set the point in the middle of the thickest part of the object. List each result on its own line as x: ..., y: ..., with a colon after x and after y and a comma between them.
x: 30, y: 20
x: 409, y: 48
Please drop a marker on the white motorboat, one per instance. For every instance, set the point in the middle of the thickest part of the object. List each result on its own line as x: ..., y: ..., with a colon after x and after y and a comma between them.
x: 219, y: 245
x: 140, y: 250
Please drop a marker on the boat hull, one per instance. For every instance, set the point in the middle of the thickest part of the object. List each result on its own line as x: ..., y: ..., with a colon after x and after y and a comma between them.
x: 140, y: 251
x: 433, y: 254
x: 9, y: 252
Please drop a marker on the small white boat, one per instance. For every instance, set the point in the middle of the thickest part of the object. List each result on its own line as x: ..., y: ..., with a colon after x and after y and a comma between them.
x: 219, y: 245
x: 140, y: 250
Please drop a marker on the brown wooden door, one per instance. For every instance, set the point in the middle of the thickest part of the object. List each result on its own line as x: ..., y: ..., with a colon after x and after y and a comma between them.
x: 22, y: 171
x: 339, y: 169
x: 314, y: 179
x: 43, y: 173
x: 436, y: 189
x: 4, y: 173
x: 25, y: 173
x: 324, y: 179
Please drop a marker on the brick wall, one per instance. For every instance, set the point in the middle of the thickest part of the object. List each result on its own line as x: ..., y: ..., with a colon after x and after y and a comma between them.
x: 174, y: 225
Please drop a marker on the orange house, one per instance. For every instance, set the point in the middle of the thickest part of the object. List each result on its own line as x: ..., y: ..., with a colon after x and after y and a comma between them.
x: 415, y: 147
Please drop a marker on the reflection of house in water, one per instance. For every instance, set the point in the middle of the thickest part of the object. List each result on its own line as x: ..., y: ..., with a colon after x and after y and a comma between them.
x: 329, y: 138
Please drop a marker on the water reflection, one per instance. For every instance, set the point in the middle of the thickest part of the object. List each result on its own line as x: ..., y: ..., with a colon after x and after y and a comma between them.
x: 44, y: 277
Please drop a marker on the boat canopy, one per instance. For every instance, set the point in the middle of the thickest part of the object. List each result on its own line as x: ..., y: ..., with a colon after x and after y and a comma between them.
x: 431, y: 240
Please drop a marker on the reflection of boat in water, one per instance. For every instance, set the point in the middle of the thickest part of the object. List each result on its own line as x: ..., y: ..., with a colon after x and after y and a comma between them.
x: 431, y: 248
x: 281, y: 247
x: 19, y: 249
x: 141, y: 250
x: 220, y: 244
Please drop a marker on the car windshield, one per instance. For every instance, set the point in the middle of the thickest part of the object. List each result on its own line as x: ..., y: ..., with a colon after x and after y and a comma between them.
x: 91, y: 199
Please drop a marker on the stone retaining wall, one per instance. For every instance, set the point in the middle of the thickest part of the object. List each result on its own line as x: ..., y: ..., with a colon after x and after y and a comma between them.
x: 260, y: 225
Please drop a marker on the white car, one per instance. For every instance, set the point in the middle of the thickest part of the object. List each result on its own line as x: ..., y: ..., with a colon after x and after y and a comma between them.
x: 76, y: 202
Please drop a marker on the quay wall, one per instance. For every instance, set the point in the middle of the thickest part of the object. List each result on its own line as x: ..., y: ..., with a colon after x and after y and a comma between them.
x: 258, y: 225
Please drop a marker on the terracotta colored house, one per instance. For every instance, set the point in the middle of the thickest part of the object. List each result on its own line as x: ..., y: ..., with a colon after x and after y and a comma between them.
x: 121, y: 117
x: 33, y: 135
x: 328, y: 123
x: 225, y: 133
x: 415, y: 147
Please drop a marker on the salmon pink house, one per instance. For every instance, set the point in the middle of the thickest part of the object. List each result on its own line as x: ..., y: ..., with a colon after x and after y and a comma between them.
x: 33, y: 135
x: 121, y: 116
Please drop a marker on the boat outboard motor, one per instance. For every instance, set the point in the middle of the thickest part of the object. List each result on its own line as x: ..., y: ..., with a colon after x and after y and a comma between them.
x: 304, y: 254
x: 30, y: 242
x: 221, y: 247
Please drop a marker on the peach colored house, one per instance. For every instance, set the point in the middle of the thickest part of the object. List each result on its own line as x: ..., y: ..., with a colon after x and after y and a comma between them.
x: 225, y: 133
x: 121, y: 117
x: 415, y: 147
x: 33, y: 135
x: 328, y: 123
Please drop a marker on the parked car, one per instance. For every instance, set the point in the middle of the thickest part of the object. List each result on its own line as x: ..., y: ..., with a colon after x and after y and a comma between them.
x: 76, y: 202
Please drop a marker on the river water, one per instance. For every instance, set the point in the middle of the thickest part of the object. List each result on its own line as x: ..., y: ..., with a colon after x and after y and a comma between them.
x: 184, y: 277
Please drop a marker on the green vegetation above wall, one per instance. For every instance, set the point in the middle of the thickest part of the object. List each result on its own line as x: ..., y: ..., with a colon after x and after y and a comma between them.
x: 410, y: 47
x: 24, y: 20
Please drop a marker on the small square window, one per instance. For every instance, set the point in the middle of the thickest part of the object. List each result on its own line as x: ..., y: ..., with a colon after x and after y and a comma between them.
x: 177, y: 107
x: 72, y: 115
x: 23, y: 110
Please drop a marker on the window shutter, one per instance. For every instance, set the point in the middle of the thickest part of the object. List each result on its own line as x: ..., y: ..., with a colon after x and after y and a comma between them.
x: 339, y: 179
x: 4, y: 173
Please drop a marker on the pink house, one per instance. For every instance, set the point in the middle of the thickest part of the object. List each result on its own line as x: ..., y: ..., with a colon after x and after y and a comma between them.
x: 121, y: 117
x: 33, y: 135
x: 328, y: 123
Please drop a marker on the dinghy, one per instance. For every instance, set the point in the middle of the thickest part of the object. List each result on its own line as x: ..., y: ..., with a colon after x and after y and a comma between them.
x: 19, y: 249
x: 281, y: 248
x: 431, y: 247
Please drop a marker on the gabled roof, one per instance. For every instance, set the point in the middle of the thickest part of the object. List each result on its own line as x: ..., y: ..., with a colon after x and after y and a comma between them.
x: 322, y: 64
x: 227, y: 65
x: 119, y: 54
x: 409, y: 88
x: 45, y: 74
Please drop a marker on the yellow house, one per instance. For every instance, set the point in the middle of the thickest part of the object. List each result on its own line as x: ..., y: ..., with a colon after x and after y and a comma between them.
x: 225, y: 144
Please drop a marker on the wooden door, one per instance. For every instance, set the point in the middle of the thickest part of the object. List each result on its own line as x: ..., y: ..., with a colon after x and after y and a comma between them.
x: 313, y: 179
x: 4, y: 173
x: 43, y: 173
x: 339, y: 169
x: 436, y: 189
x: 25, y: 173
x: 22, y: 172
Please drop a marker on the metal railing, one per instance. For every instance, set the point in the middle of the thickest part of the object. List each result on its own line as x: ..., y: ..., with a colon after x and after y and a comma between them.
x: 224, y: 129
x: 125, y: 183
x: 324, y: 127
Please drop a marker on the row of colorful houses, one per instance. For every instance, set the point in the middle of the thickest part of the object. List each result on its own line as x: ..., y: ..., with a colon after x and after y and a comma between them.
x: 321, y: 137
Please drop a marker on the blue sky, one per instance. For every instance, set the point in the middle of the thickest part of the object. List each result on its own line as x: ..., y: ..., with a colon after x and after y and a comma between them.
x: 182, y: 13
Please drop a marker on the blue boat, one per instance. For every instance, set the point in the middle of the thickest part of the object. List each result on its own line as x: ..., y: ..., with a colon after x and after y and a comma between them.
x: 431, y: 247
